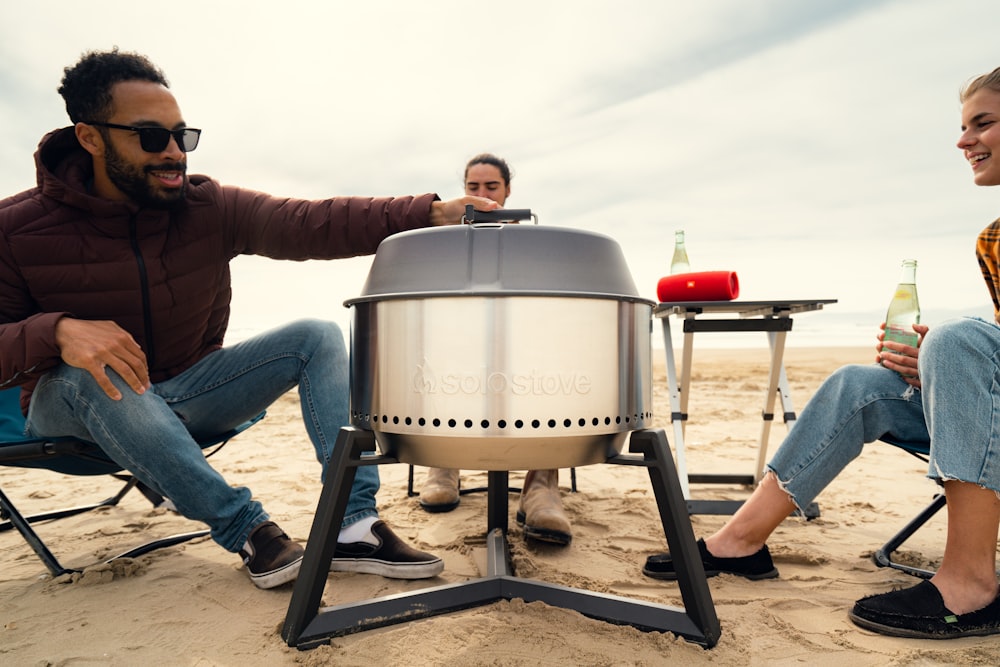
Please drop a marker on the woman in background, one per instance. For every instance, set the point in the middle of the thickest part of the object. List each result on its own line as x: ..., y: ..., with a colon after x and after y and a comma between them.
x: 540, y: 511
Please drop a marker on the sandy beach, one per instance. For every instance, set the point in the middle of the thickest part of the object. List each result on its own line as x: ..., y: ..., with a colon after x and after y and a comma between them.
x: 193, y: 605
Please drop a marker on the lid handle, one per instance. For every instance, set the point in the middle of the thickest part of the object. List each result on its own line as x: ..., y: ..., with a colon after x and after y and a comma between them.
x: 473, y: 216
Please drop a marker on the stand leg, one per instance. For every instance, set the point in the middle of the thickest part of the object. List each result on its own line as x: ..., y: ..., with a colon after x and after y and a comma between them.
x: 340, y: 472
x: 691, y: 580
x: 496, y: 500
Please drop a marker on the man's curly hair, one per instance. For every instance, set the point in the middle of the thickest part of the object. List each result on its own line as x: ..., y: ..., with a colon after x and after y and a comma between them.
x: 86, y: 87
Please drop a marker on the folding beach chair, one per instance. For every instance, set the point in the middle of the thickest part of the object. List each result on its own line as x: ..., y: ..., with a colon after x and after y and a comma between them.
x: 70, y: 456
x: 883, y: 556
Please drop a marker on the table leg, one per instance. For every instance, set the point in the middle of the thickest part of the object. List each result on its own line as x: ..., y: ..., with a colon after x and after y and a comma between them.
x: 777, y: 384
x: 677, y: 414
x: 686, y: 358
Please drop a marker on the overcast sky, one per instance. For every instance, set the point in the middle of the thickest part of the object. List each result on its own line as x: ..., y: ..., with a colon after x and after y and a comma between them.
x: 807, y: 145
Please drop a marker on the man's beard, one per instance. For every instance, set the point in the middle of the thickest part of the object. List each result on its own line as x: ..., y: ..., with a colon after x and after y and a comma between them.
x: 134, y: 181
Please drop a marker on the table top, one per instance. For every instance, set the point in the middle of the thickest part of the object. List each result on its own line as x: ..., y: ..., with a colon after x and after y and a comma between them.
x: 769, y: 308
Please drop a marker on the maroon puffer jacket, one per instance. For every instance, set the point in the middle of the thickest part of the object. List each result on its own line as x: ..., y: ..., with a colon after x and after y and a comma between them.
x: 162, y: 276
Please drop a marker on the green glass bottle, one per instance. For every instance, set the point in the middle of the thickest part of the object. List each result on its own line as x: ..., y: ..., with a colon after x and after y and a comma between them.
x: 904, y: 309
x: 679, y: 263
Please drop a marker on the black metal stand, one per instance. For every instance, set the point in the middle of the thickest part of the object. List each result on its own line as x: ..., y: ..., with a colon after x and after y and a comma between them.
x: 306, y: 626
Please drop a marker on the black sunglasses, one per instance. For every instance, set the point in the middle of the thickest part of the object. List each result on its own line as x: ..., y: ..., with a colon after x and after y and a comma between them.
x: 156, y: 139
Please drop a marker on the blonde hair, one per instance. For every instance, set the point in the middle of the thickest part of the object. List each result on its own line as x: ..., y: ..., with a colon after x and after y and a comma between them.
x: 991, y: 81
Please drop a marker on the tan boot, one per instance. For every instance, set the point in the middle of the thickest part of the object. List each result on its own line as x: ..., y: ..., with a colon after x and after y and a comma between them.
x: 541, y: 511
x: 440, y: 492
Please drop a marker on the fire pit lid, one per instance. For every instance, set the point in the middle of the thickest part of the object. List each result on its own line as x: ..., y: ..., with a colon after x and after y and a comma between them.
x: 498, y: 259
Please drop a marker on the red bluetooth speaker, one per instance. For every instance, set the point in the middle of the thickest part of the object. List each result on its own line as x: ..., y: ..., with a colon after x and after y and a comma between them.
x: 701, y: 286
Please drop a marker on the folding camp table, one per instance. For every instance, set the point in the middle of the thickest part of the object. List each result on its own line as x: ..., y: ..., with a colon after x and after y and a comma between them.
x: 772, y: 317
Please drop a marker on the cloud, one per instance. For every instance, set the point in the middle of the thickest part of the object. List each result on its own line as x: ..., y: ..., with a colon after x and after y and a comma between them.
x: 810, y: 146
x: 696, y: 44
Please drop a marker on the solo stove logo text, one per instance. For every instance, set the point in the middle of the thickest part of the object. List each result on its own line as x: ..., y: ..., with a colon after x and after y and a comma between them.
x: 533, y: 383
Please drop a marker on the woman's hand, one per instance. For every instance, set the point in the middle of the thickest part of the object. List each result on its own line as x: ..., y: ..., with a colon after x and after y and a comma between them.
x: 899, y: 357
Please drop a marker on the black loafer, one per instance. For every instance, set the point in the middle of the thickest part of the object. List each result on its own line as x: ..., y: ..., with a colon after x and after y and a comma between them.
x: 755, y: 566
x: 919, y: 612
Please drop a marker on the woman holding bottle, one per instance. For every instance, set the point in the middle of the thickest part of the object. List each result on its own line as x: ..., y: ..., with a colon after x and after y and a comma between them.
x: 540, y: 511
x: 943, y: 390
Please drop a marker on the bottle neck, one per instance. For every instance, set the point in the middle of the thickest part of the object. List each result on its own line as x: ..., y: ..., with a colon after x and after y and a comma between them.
x: 908, y: 274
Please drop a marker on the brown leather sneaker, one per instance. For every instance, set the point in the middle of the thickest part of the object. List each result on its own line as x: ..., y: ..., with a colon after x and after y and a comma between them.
x: 540, y: 512
x: 440, y: 492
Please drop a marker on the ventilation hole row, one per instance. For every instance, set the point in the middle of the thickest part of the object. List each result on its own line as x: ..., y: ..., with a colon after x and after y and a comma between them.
x: 503, y: 423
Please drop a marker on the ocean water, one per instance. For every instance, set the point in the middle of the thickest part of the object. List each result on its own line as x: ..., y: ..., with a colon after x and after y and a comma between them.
x: 822, y: 328
x: 267, y: 293
x: 816, y: 329
x: 828, y: 327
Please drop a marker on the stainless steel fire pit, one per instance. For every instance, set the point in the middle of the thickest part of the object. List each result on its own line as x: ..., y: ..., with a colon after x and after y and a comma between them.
x: 499, y: 347
x: 495, y: 346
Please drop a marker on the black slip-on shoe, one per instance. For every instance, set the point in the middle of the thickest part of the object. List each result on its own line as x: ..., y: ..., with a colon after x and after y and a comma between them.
x: 755, y: 566
x: 271, y: 558
x: 919, y: 612
x: 391, y: 557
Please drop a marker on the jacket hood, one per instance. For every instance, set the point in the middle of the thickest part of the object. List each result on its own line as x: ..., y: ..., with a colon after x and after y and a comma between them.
x: 65, y: 170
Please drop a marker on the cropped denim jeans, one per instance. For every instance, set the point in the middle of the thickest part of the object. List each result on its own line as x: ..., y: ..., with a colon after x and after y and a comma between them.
x: 957, y: 411
x: 151, y: 435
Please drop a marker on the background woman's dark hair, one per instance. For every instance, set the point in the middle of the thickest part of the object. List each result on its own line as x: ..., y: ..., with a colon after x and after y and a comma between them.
x: 86, y: 87
x: 489, y: 158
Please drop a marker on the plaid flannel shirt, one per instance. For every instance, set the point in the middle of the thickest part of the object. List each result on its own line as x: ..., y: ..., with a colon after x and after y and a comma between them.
x: 988, y: 254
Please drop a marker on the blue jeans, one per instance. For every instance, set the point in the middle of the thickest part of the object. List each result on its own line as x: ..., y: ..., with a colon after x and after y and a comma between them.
x: 151, y: 435
x: 957, y: 411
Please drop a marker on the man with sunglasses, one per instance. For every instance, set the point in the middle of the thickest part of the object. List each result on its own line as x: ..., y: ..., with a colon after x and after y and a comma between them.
x: 114, y: 302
